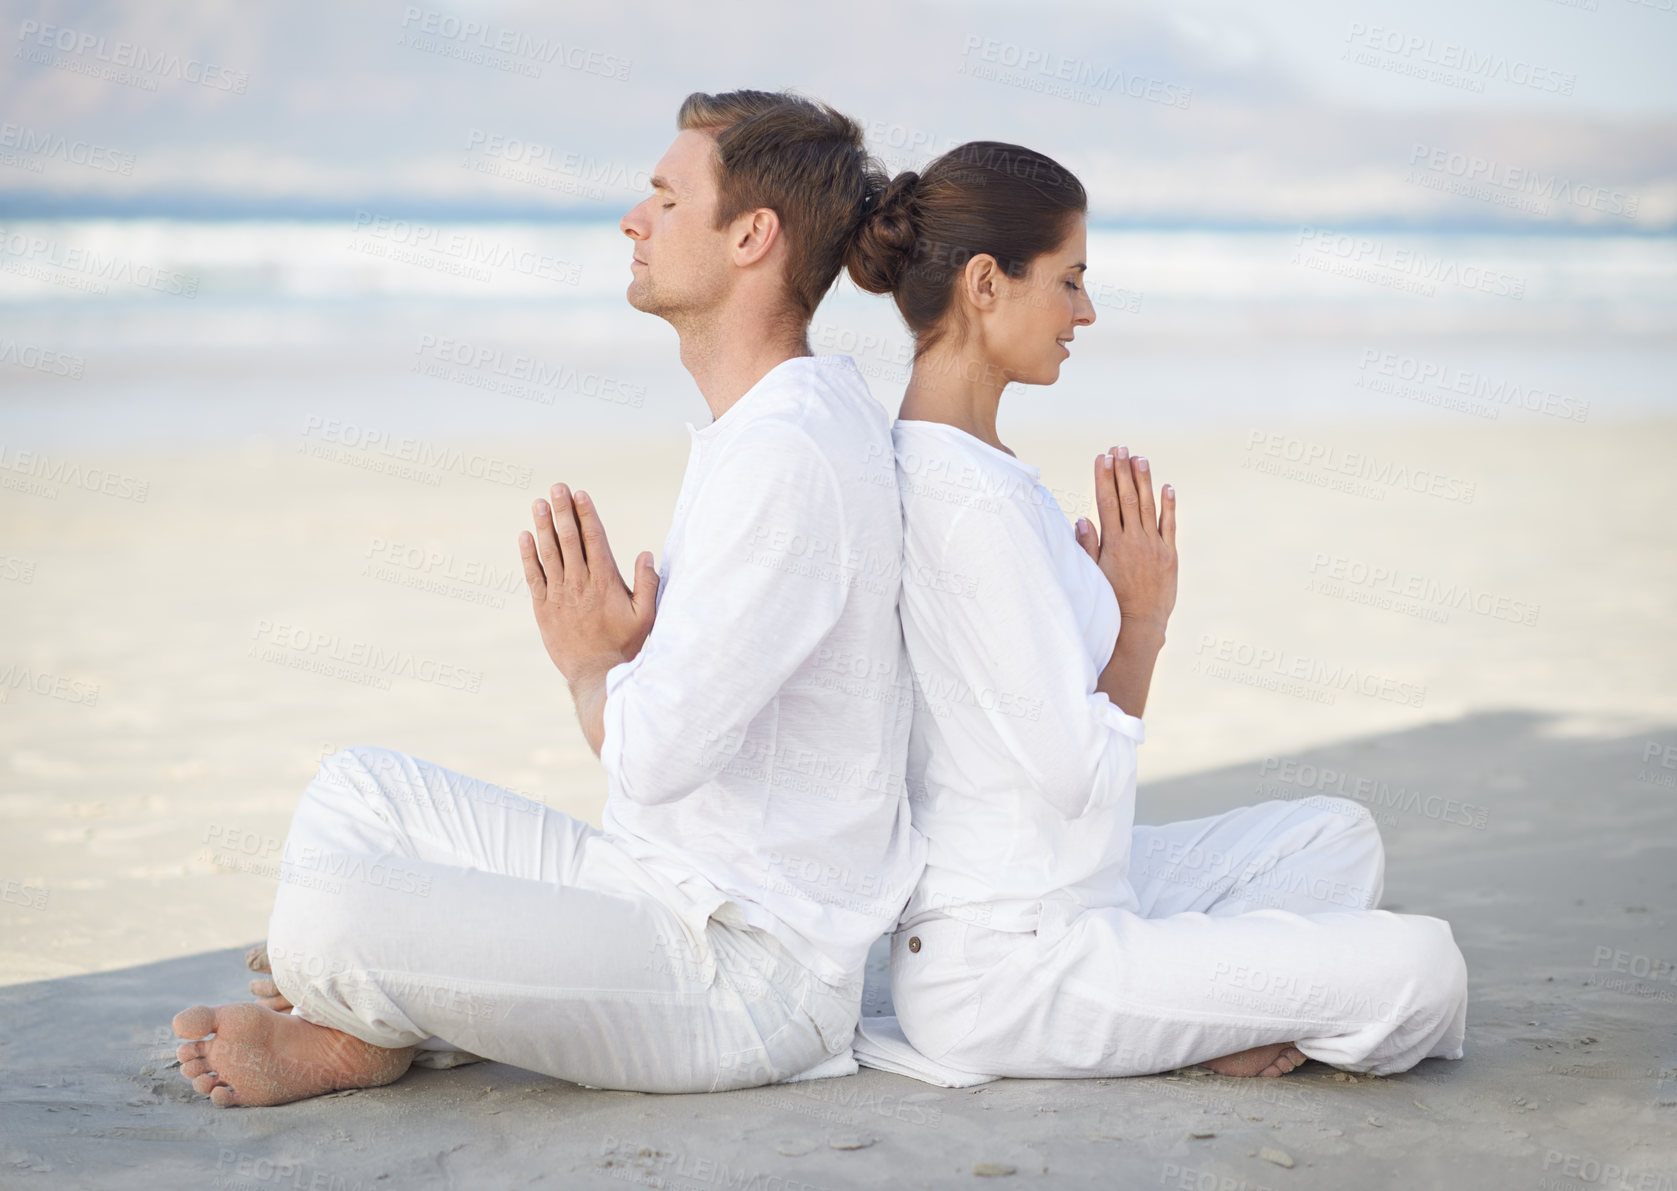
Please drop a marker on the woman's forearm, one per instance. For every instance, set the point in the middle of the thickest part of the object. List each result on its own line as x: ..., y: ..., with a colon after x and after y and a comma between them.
x: 1129, y: 672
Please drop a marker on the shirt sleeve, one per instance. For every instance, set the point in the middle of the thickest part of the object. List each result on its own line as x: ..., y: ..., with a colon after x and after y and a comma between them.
x: 758, y: 585
x: 996, y: 628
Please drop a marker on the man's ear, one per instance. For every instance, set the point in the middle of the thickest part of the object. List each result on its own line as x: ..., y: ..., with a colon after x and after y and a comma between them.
x: 755, y: 234
x: 981, y: 281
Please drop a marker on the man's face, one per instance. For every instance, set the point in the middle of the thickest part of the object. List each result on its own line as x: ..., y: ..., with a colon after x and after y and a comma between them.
x: 680, y: 263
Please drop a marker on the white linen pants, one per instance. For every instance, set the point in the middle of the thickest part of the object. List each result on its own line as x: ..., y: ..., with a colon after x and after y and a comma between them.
x: 1255, y: 926
x: 419, y: 907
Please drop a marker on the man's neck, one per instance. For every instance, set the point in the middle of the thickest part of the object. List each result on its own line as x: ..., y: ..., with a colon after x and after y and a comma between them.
x: 727, y: 359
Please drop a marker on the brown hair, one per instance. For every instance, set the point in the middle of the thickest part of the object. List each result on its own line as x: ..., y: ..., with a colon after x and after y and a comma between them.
x: 983, y: 197
x: 800, y: 158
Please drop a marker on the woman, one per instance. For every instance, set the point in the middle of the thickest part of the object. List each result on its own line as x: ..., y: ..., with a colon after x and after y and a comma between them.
x: 1050, y: 936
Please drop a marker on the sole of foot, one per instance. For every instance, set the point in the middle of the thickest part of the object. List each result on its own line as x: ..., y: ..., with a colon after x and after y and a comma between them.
x: 249, y: 1055
x: 1266, y: 1062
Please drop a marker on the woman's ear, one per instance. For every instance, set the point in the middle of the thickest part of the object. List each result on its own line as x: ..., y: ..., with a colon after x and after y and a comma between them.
x: 981, y: 280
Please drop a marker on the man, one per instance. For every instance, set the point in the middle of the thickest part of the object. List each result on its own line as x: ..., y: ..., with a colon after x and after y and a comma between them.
x: 757, y: 836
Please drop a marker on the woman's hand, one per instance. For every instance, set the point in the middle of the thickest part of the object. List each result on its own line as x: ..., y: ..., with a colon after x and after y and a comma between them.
x: 1136, y: 547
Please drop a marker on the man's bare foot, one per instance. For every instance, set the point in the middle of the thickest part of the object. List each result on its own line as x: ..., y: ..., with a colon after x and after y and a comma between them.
x: 265, y: 991
x: 1277, y: 1058
x: 260, y: 1057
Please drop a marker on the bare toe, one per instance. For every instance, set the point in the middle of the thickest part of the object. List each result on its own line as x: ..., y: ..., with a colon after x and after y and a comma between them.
x: 223, y: 1097
x: 194, y: 1068
x: 206, y: 1083
x: 196, y: 1022
x: 266, y: 991
x: 256, y: 959
x: 187, y: 1051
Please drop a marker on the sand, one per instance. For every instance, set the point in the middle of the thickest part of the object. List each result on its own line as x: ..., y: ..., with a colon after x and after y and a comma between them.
x: 1502, y: 695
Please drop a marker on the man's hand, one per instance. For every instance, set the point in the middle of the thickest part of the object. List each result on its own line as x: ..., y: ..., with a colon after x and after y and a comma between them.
x: 589, y: 620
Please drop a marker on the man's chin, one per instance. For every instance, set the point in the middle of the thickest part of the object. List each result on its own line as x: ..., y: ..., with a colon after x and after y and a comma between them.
x: 642, y: 299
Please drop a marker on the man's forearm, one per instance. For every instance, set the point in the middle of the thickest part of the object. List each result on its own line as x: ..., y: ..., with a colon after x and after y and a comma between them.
x: 588, y: 689
x: 1129, y: 672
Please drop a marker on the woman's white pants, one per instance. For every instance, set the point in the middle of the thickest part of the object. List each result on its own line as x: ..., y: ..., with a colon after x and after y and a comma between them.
x: 1255, y: 926
x: 419, y: 907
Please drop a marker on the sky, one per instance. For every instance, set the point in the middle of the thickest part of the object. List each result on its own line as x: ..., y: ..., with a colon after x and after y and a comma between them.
x: 1515, y: 114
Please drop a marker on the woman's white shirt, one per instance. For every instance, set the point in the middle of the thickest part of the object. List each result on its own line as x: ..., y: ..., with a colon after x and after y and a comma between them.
x: 1021, y: 775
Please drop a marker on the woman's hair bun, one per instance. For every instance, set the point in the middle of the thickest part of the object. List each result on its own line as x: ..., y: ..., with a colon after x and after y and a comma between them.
x: 884, y: 243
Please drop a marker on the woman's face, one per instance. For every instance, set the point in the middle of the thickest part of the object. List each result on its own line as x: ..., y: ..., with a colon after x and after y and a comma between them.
x: 1030, y: 332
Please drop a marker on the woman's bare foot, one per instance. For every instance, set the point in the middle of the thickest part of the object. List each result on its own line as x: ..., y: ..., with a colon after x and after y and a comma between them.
x: 260, y: 1057
x: 1277, y: 1058
x: 265, y: 991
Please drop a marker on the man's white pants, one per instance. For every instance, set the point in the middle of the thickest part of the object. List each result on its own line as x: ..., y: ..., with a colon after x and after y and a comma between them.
x: 417, y: 905
x: 1255, y: 927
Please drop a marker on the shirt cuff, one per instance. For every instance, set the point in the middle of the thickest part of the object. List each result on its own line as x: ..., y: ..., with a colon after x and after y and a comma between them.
x: 611, y: 719
x: 1125, y: 723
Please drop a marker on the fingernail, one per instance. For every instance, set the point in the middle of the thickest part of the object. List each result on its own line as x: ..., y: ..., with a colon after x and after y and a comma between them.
x: 1141, y: 463
x: 1123, y: 452
x: 581, y: 497
x: 1169, y: 491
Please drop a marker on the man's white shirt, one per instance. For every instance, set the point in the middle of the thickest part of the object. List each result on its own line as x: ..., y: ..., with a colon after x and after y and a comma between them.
x: 755, y: 747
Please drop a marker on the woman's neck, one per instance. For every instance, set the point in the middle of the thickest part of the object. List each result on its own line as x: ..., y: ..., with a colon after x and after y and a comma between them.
x: 957, y: 388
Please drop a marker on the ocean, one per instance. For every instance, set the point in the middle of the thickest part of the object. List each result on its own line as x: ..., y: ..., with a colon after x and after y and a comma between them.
x: 140, y: 332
